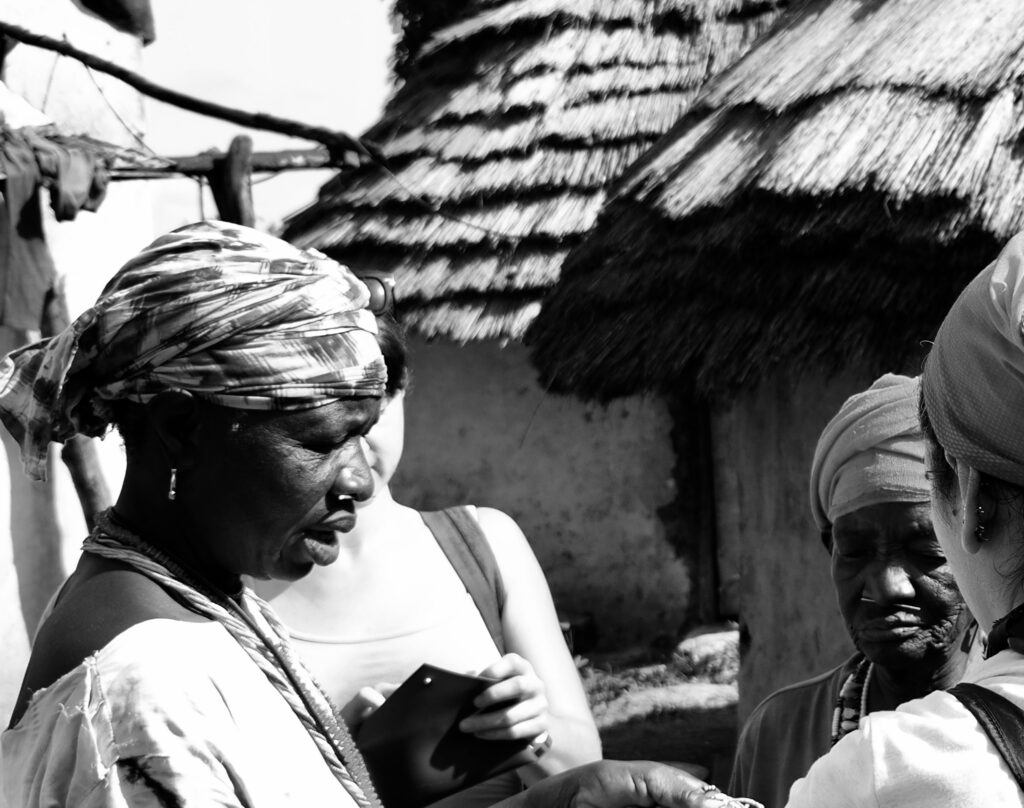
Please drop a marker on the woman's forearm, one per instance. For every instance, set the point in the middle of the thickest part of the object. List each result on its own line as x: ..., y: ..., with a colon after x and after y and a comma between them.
x: 574, y: 741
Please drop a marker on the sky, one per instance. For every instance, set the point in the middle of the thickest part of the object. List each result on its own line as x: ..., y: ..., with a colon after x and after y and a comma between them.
x: 321, y: 62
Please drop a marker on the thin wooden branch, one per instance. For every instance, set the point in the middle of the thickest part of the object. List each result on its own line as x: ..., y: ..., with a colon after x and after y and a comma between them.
x: 350, y: 150
x: 202, y: 164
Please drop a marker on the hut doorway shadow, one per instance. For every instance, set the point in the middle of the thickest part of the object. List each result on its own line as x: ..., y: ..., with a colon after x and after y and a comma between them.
x: 690, y: 520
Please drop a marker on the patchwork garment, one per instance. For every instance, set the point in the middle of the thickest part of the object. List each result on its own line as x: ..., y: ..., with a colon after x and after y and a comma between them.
x: 167, y: 713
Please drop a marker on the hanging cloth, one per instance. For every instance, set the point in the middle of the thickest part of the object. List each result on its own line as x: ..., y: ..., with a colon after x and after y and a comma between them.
x: 27, y: 271
x: 76, y: 177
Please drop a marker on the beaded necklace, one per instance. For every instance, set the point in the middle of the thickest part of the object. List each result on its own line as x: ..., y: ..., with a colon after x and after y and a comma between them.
x: 852, y: 703
x: 255, y: 627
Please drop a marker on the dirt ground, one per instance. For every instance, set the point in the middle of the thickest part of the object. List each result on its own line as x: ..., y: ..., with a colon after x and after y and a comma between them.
x: 675, y: 705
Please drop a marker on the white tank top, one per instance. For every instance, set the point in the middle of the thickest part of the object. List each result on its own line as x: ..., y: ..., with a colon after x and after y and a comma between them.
x: 452, y: 636
x: 456, y: 639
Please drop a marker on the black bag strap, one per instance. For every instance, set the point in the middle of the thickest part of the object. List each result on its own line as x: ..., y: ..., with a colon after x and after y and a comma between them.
x: 1002, y: 720
x: 460, y: 537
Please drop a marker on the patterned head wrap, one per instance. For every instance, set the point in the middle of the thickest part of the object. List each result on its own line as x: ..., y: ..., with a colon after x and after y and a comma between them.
x: 229, y: 314
x: 974, y: 378
x: 872, y: 451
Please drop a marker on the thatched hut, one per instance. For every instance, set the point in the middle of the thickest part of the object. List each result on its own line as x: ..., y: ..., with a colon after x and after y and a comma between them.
x: 802, y: 229
x: 513, y: 118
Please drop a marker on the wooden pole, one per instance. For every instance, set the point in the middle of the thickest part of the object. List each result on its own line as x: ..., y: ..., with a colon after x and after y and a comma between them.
x: 352, y: 151
x: 231, y: 183
x: 202, y: 164
x: 79, y: 453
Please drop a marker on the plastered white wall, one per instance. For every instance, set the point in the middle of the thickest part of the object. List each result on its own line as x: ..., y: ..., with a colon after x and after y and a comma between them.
x: 584, y: 482
x: 763, y: 446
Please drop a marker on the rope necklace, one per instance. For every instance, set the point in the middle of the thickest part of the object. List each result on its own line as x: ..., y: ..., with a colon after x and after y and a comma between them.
x: 257, y: 630
x: 852, y: 703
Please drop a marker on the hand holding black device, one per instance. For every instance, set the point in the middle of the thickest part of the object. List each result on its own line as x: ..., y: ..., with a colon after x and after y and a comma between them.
x: 414, y: 748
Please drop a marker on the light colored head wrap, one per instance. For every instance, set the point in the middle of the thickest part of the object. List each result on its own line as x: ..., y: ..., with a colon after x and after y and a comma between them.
x: 227, y: 313
x: 872, y: 451
x: 974, y: 378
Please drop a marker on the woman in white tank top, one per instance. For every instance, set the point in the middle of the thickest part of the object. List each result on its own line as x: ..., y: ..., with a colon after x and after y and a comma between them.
x: 393, y: 601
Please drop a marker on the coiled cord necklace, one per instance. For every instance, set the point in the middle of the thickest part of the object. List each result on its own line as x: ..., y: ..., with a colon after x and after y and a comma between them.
x: 257, y: 630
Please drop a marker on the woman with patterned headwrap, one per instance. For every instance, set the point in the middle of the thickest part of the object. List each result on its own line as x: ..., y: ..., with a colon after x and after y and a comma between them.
x: 242, y: 374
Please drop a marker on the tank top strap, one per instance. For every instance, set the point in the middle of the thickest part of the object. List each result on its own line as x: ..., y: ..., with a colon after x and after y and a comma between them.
x: 460, y: 536
x: 1002, y: 721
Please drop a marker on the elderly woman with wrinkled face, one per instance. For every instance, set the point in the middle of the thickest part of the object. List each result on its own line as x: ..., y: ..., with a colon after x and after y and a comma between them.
x: 870, y: 499
x: 960, y: 747
x: 243, y: 374
x: 895, y: 590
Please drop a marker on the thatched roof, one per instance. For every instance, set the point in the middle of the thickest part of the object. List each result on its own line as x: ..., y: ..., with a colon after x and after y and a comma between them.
x: 503, y: 139
x: 821, y: 204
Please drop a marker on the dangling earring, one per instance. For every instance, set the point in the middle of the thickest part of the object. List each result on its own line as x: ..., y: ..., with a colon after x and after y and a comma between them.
x: 985, y: 512
x: 172, y: 492
x: 979, y: 525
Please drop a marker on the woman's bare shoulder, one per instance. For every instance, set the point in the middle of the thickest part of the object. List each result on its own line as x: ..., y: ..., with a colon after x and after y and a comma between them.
x: 509, y: 544
x: 499, y: 527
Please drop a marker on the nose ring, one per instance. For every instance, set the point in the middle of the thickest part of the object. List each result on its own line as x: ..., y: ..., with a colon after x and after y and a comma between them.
x: 866, y: 599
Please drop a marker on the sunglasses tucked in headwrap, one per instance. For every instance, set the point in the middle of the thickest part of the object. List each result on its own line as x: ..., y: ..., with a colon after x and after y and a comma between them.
x: 222, y: 311
x: 872, y: 451
x: 974, y: 379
